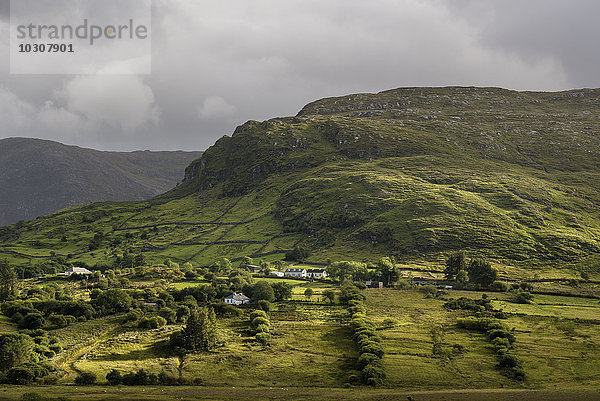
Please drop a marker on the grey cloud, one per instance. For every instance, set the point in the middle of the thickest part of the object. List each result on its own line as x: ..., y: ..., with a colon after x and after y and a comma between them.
x: 217, y: 64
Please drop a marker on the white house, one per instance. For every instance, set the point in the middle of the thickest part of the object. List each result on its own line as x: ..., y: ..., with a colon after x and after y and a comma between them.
x: 276, y: 273
x: 295, y: 272
x: 77, y: 270
x: 316, y: 273
x: 236, y: 299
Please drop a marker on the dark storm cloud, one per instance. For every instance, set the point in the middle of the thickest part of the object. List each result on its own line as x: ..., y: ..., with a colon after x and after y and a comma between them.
x: 217, y: 64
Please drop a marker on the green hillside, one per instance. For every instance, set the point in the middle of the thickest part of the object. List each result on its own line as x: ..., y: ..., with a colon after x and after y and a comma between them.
x: 415, y: 173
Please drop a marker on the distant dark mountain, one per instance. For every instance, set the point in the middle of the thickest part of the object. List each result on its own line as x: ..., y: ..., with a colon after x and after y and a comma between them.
x: 38, y: 176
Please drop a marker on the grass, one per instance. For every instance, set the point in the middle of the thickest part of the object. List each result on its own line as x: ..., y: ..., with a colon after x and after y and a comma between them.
x: 187, y: 393
x: 558, y: 348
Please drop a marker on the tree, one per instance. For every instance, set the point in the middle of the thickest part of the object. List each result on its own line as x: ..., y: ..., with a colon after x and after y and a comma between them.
x: 263, y: 290
x: 247, y: 260
x: 200, y: 332
x: 329, y: 295
x: 112, y: 301
x: 308, y: 293
x: 462, y: 277
x: 85, y: 378
x: 481, y: 272
x: 455, y: 263
x: 282, y: 291
x: 389, y: 272
x: 114, y: 377
x: 8, y: 281
x: 15, y: 349
x: 346, y: 270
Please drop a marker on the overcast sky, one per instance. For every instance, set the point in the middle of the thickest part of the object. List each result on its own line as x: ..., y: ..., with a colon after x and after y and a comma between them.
x: 219, y: 63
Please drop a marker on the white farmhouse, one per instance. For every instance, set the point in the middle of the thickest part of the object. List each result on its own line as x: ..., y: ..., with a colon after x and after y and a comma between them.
x: 276, y: 273
x: 295, y: 272
x: 316, y: 273
x: 236, y: 299
x: 77, y: 270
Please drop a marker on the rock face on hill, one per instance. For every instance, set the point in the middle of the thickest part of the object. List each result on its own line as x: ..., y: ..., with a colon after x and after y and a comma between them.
x: 427, y: 169
x: 38, y: 177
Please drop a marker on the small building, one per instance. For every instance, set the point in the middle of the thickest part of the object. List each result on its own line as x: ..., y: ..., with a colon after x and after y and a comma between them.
x: 316, y: 273
x: 252, y: 268
x: 276, y: 273
x: 295, y: 272
x: 150, y: 305
x: 77, y: 270
x: 236, y: 299
x: 374, y: 284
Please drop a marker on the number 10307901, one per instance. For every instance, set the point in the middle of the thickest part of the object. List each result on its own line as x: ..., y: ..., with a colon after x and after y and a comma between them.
x: 45, y: 48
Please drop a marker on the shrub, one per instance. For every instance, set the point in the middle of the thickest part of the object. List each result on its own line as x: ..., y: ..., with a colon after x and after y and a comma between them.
x: 134, y: 315
x: 498, y: 286
x: 258, y: 313
x: 373, y: 375
x: 429, y: 290
x: 261, y: 328
x: 153, y: 322
x: 501, y: 333
x: 522, y: 297
x: 114, y: 377
x: 20, y: 375
x: 257, y: 321
x: 85, y: 378
x: 508, y: 361
x: 264, y: 338
x: 368, y: 359
x: 265, y: 305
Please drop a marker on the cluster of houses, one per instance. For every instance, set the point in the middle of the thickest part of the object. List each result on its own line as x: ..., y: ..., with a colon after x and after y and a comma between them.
x: 305, y: 273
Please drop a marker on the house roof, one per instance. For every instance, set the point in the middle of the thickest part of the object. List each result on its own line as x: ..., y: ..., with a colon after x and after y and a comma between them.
x: 238, y: 297
x: 295, y: 270
x: 315, y: 270
x: 79, y: 270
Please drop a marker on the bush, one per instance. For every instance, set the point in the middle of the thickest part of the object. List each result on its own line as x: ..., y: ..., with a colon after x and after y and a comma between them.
x: 257, y: 321
x: 153, y: 322
x: 134, y: 315
x: 32, y: 321
x: 258, y: 313
x: 265, y: 305
x: 262, y: 328
x: 498, y: 286
x: 522, y: 297
x: 508, y: 361
x: 264, y: 338
x: 429, y: 290
x: 114, y: 377
x: 501, y: 333
x: 85, y: 379
x: 20, y: 375
x: 368, y: 359
x: 373, y: 375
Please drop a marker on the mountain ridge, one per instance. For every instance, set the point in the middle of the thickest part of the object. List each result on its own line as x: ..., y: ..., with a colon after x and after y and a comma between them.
x: 414, y: 173
x: 40, y: 176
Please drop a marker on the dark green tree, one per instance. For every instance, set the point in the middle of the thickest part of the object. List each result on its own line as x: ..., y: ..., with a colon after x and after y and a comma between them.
x: 455, y: 263
x: 389, y: 272
x: 329, y: 295
x: 308, y: 293
x: 200, y: 332
x: 8, y: 281
x: 263, y: 290
x: 282, y: 291
x: 482, y: 273
x: 15, y: 349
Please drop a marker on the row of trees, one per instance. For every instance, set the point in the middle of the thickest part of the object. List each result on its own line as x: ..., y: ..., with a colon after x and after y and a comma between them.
x: 478, y: 272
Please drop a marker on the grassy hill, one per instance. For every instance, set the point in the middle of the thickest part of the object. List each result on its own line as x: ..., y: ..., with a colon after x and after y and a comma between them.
x: 38, y: 177
x: 415, y: 173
